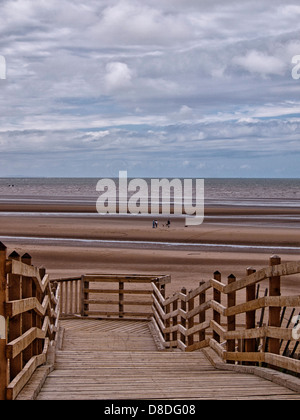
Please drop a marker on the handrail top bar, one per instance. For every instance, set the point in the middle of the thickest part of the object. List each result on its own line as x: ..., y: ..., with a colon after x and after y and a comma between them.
x: 284, y: 269
x: 161, y: 279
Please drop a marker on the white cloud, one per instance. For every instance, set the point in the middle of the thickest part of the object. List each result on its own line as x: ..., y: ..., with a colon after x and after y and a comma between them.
x: 118, y: 76
x: 263, y: 64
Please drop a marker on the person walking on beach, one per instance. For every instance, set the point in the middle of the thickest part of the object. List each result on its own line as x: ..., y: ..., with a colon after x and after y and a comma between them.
x: 153, y: 224
x: 168, y: 223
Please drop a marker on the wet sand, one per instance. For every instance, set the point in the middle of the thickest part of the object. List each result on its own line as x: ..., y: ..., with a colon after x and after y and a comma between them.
x: 188, y: 254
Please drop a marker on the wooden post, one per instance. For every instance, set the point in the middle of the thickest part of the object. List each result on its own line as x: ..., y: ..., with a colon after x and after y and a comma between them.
x: 84, y: 296
x: 15, y: 323
x: 250, y: 343
x: 217, y: 298
x: 121, y: 298
x: 183, y: 320
x: 202, y: 315
x: 175, y: 321
x: 274, y: 312
x: 71, y: 310
x: 39, y: 296
x: 190, y: 322
x: 27, y: 317
x: 162, y: 289
x: 167, y: 322
x: 3, y: 324
x: 231, y: 301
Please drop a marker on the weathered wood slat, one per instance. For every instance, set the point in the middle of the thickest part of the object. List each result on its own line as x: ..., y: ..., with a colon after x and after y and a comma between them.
x: 143, y: 373
x: 24, y: 376
x: 276, y: 270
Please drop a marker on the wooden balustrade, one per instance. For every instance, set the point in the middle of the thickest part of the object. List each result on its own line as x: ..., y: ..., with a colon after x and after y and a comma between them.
x: 29, y: 313
x: 108, y: 295
x: 117, y: 295
x: 239, y: 324
x: 181, y: 323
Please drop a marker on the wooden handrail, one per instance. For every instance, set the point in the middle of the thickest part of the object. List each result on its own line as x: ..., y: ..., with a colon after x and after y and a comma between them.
x: 29, y: 306
x: 183, y: 324
x: 80, y: 294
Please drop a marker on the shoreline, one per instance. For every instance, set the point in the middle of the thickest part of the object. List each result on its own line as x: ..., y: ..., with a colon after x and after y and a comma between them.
x: 231, y: 239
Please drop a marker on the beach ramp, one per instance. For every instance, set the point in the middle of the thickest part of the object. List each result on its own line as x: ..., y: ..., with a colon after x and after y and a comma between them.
x: 120, y: 336
x: 119, y: 359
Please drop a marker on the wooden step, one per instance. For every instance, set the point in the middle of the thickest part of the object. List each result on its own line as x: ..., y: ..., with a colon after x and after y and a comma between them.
x: 117, y: 360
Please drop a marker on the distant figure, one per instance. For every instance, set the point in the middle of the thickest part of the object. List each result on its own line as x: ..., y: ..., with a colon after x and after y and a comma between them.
x: 156, y: 223
x: 153, y: 224
x: 168, y: 223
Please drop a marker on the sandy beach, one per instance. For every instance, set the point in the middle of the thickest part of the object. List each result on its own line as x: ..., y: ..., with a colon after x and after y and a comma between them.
x: 73, y: 240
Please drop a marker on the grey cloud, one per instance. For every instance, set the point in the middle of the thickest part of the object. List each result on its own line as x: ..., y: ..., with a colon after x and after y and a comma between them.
x: 149, y: 81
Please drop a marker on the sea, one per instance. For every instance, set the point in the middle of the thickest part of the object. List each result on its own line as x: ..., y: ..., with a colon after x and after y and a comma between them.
x: 217, y: 191
x: 237, y: 192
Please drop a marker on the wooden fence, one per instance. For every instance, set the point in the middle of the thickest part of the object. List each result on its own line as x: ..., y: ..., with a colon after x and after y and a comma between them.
x: 241, y: 326
x: 109, y: 295
x: 29, y: 314
x: 248, y: 332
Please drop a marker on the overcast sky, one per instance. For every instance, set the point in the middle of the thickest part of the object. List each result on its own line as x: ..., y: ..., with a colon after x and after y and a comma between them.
x: 178, y: 88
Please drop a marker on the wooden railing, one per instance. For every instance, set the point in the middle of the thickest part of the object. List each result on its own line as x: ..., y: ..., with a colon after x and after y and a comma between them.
x: 209, y: 316
x: 109, y: 295
x: 241, y: 326
x: 29, y: 313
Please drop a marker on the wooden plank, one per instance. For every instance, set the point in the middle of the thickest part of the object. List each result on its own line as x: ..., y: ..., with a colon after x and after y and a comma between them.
x: 276, y: 301
x: 250, y: 343
x: 16, y: 346
x: 217, y: 328
x: 117, y: 302
x: 125, y: 279
x: 198, y: 310
x: 197, y: 346
x: 274, y: 311
x: 14, y: 387
x: 145, y: 315
x: 116, y: 291
x: 157, y: 294
x: 17, y: 307
x: 246, y: 334
x: 158, y: 320
x: 231, y: 321
x: 200, y: 289
x: 90, y: 374
x: 19, y: 268
x: 283, y: 269
x: 3, y: 324
x: 283, y: 362
x: 15, y: 323
x: 217, y: 307
x: 245, y: 356
x: 217, y: 347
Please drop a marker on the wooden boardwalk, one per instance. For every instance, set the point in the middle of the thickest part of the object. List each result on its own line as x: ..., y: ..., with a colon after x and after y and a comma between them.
x: 119, y: 360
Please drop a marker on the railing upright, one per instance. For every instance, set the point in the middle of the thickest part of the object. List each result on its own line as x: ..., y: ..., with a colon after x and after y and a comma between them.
x: 231, y: 321
x: 217, y: 298
x: 3, y: 324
